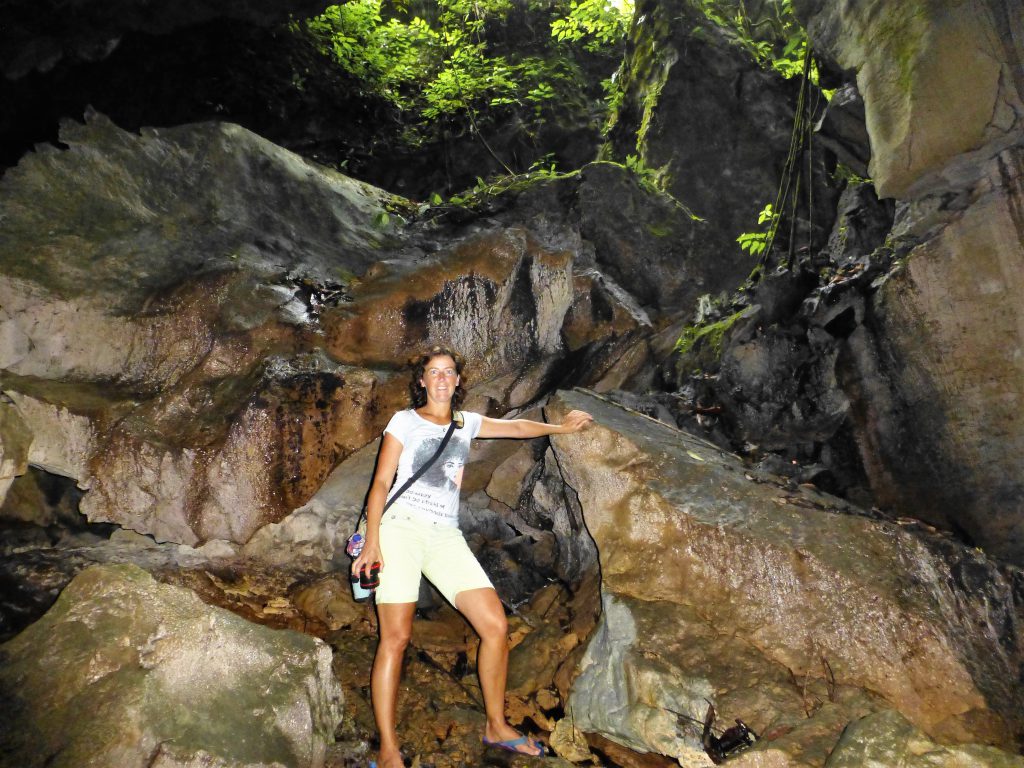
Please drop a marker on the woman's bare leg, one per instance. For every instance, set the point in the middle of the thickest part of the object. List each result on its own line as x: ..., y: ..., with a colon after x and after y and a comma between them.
x: 484, y: 611
x: 395, y: 622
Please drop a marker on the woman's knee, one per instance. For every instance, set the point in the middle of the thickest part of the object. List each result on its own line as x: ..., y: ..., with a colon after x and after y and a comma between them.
x: 493, y: 625
x: 395, y: 640
x: 484, y: 611
x: 396, y: 637
x: 395, y: 628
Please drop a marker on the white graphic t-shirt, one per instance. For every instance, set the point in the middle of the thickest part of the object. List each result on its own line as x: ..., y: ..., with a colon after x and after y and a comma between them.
x: 435, y: 495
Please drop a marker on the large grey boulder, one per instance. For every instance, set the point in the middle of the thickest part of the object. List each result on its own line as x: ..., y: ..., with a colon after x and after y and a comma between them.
x: 157, y: 290
x: 129, y: 672
x: 775, y: 604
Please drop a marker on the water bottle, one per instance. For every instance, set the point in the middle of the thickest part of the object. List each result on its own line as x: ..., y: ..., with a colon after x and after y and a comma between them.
x: 355, y: 545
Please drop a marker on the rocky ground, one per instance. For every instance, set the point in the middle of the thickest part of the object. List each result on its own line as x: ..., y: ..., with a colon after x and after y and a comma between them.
x: 440, y: 711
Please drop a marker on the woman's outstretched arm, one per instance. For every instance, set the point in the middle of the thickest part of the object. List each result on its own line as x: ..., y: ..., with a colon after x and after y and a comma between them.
x: 574, y: 421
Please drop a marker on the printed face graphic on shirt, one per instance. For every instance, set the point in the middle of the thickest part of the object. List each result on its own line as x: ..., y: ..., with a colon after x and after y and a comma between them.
x: 446, y: 472
x: 453, y: 472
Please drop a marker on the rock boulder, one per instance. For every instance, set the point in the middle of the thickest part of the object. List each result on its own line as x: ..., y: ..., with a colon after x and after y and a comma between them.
x: 935, y: 374
x: 887, y: 738
x: 129, y: 672
x: 198, y: 326
x: 772, y: 602
x: 943, y: 84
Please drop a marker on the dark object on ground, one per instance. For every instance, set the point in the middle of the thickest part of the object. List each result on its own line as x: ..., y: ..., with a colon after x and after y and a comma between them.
x: 733, y: 740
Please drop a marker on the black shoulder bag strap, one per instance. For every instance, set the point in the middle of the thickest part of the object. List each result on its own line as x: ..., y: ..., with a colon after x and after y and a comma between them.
x: 419, y: 472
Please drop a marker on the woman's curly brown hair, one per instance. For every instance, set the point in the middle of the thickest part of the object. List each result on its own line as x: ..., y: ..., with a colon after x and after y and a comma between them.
x: 418, y: 364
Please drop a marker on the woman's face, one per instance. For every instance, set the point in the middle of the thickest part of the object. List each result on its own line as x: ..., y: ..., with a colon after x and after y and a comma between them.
x: 440, y: 378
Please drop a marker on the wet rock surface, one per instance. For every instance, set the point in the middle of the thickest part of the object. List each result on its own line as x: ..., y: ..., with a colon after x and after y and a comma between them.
x: 802, y: 590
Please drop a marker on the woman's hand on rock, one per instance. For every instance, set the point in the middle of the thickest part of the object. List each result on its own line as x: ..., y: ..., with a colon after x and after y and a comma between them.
x: 574, y: 421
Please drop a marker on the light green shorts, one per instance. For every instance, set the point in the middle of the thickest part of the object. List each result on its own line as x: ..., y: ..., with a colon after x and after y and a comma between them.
x: 412, y: 547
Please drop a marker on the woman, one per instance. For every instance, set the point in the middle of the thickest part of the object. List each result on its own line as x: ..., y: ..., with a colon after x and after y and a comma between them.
x: 419, y: 534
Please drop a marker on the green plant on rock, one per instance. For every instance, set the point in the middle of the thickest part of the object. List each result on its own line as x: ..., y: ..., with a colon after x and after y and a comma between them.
x: 843, y: 173
x: 646, y: 176
x: 756, y: 243
x: 701, y: 343
x: 484, y: 191
x: 774, y: 38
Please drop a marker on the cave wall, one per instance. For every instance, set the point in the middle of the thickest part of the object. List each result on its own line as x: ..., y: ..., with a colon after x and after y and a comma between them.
x: 38, y: 35
x: 936, y: 375
x: 197, y: 325
x: 943, y: 84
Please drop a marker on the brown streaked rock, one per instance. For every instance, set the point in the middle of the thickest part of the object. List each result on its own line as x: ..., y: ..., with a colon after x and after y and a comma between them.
x: 162, y: 335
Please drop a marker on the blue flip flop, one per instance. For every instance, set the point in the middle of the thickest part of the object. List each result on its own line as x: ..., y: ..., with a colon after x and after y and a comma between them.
x: 512, y: 745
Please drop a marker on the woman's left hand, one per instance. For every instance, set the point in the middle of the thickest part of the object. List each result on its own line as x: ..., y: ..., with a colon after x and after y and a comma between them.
x: 574, y: 421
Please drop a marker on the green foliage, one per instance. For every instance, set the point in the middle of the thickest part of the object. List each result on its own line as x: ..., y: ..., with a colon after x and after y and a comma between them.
x: 702, y: 342
x: 843, y: 173
x: 755, y: 243
x: 645, y: 175
x: 448, y: 62
x: 381, y: 220
x: 775, y: 40
x: 613, y: 93
x: 597, y: 23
